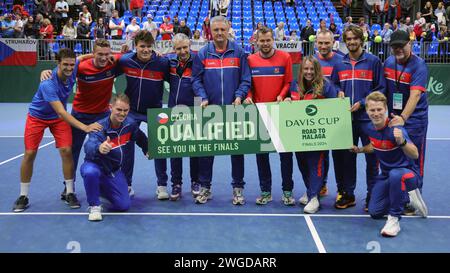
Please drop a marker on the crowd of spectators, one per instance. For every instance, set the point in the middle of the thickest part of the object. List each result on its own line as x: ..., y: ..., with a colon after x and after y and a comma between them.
x: 121, y: 19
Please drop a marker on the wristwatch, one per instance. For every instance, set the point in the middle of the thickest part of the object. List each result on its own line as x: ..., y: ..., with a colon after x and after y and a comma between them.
x: 403, y: 144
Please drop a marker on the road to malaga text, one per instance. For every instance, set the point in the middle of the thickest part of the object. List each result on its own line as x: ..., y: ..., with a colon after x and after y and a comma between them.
x: 226, y: 262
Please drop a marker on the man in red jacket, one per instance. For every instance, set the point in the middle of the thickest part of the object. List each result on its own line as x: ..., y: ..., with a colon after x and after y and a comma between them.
x: 271, y: 77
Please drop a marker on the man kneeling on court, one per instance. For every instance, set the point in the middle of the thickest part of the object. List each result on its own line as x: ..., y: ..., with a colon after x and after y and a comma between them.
x: 101, y: 170
x: 396, y: 152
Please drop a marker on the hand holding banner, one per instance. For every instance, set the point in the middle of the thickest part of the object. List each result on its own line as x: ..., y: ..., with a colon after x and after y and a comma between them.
x: 311, y: 125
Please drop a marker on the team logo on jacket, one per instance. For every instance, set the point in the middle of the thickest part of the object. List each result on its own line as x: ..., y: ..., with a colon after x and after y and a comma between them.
x: 277, y: 70
x: 232, y: 62
x: 162, y: 118
x: 108, y: 73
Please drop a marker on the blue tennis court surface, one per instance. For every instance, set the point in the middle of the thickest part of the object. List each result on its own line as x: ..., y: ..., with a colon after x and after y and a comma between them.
x: 164, y: 226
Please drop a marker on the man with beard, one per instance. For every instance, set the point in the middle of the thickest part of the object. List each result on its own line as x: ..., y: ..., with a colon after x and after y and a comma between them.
x: 271, y: 77
x: 359, y: 74
x: 48, y: 110
x: 328, y: 59
x: 406, y: 79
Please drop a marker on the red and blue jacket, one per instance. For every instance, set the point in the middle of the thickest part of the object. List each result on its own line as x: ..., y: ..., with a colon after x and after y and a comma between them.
x: 386, y: 149
x: 401, y: 79
x: 328, y: 64
x: 271, y: 77
x: 359, y: 78
x: 113, y: 161
x: 220, y: 78
x: 145, y: 81
x: 94, y: 86
x: 180, y: 80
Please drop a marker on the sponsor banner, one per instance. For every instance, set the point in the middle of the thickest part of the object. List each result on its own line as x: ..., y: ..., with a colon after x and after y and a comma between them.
x: 197, y: 45
x: 164, y: 47
x: 18, y: 52
x: 116, y: 45
x: 438, y: 86
x: 293, y: 47
x: 248, y: 129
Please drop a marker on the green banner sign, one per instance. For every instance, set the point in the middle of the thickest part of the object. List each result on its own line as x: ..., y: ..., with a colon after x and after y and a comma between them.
x: 438, y: 86
x: 312, y: 125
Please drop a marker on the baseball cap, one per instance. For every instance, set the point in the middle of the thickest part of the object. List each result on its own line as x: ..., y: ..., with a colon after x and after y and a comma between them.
x: 399, y: 38
x: 149, y: 16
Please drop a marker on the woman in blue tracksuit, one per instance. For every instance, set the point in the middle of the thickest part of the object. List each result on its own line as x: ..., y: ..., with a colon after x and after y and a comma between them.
x: 101, y: 170
x: 312, y: 85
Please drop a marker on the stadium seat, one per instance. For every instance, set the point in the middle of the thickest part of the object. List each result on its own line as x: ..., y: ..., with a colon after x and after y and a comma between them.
x: 247, y: 26
x: 55, y: 47
x: 433, y: 48
x: 416, y: 48
x: 375, y: 27
x: 78, y: 49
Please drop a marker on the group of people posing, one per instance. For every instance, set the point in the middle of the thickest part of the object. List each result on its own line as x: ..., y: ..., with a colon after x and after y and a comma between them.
x: 222, y: 74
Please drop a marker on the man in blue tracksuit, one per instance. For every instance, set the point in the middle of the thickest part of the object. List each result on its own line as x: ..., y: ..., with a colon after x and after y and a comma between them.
x: 327, y: 59
x: 101, y: 170
x: 221, y: 75
x: 181, y: 93
x: 145, y: 73
x: 358, y: 74
x: 406, y: 79
x: 398, y: 181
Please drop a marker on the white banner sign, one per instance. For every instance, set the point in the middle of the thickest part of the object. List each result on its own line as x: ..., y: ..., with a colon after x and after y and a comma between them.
x: 294, y: 46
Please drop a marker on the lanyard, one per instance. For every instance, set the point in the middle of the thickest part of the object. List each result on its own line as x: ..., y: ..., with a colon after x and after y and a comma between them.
x: 397, y: 79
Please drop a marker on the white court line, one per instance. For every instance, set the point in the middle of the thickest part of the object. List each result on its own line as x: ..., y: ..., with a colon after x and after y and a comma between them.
x: 11, y: 159
x: 315, y: 235
x: 205, y: 214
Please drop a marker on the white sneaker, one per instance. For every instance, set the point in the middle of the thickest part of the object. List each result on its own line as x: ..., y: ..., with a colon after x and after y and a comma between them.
x: 130, y: 192
x: 95, y: 213
x: 416, y: 201
x: 162, y: 193
x: 304, y: 199
x: 312, y: 206
x: 392, y: 227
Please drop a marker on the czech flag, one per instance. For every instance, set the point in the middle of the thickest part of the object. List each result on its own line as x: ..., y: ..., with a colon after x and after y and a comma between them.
x: 18, y: 52
x: 162, y: 118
